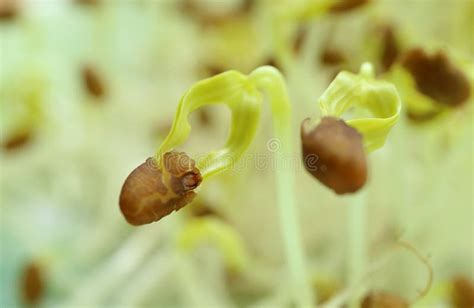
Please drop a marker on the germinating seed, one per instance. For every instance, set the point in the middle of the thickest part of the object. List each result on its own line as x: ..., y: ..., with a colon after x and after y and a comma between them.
x: 151, y: 193
x: 333, y: 153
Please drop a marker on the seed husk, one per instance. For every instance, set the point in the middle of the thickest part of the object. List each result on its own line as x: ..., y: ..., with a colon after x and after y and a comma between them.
x: 333, y: 153
x: 383, y: 300
x: 462, y: 293
x: 151, y: 193
x: 437, y: 77
x: 32, y: 284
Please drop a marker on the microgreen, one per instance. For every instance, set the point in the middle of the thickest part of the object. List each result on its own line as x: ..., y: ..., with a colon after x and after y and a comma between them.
x: 242, y: 94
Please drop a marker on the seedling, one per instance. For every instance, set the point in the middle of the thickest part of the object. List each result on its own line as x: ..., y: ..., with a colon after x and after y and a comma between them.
x: 334, y: 149
x: 148, y: 193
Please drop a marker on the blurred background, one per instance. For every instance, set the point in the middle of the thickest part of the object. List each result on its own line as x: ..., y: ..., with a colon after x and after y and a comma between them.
x: 89, y: 89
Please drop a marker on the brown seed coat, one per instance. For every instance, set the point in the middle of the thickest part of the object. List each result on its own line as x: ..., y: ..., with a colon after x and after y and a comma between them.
x: 151, y: 193
x: 333, y: 153
x: 437, y: 77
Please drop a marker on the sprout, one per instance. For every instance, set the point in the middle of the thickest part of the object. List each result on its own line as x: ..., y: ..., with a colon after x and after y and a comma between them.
x: 336, y: 148
x: 383, y: 300
x: 150, y: 193
x: 333, y: 150
x: 144, y: 199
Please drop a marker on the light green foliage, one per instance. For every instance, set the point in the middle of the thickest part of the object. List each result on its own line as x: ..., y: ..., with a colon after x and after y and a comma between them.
x: 216, y: 232
x: 362, y: 91
x: 234, y: 90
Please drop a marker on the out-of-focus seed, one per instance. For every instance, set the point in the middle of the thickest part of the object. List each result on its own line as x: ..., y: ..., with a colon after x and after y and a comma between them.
x: 87, y: 2
x: 32, y: 284
x: 383, y: 300
x: 437, y: 77
x: 390, y: 48
x: 462, y: 293
x: 333, y: 153
x: 332, y: 57
x: 206, y: 18
x: 17, y: 141
x: 150, y: 193
x: 299, y: 39
x: 343, y: 6
x: 8, y: 10
x: 92, y: 82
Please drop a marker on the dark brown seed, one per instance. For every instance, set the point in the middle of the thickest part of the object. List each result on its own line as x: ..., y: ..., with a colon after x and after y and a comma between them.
x: 343, y: 6
x: 333, y: 153
x: 383, y: 300
x: 17, y: 141
x: 8, y: 10
x: 390, y: 48
x: 32, y: 284
x: 462, y: 293
x: 150, y: 193
x: 92, y: 82
x: 437, y: 77
x: 332, y: 57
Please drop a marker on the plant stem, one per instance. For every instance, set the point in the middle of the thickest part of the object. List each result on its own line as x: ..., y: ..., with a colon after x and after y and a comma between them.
x: 357, y: 243
x: 271, y: 81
